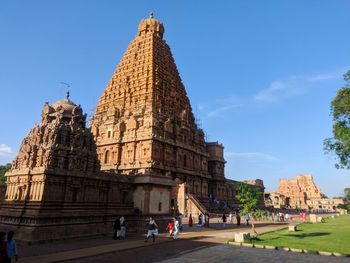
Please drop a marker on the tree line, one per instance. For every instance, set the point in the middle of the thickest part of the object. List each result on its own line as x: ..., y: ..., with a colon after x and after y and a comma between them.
x: 3, y: 170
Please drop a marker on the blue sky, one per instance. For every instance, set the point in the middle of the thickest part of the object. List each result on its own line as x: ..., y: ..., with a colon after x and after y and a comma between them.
x: 260, y: 74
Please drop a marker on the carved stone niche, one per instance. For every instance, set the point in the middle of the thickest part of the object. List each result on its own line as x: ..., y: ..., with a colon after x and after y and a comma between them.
x: 113, y: 112
x: 184, y: 115
x: 131, y: 124
x: 168, y: 126
x: 95, y: 130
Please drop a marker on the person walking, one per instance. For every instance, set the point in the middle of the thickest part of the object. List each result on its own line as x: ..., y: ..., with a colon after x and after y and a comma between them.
x: 286, y: 217
x: 179, y: 218
x: 190, y: 221
x: 170, y: 227
x: 238, y: 217
x: 223, y: 220
x: 200, y: 220
x: 117, y: 228
x: 231, y: 217
x: 247, y: 218
x: 176, y: 228
x: 206, y: 220
x: 122, y: 227
x: 152, y: 229
x: 3, y: 248
x: 11, y: 247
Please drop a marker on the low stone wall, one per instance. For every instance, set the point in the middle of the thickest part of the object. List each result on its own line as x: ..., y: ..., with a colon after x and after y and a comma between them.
x: 47, y: 233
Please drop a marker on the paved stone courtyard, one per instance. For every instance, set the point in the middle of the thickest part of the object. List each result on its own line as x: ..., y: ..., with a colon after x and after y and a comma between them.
x: 226, y: 253
x: 195, y: 245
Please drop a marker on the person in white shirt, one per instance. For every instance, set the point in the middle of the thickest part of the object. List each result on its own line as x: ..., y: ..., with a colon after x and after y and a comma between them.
x: 122, y: 227
x: 176, y: 228
x: 231, y: 217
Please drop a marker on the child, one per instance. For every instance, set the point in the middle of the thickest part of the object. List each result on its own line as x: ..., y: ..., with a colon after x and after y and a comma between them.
x: 170, y: 227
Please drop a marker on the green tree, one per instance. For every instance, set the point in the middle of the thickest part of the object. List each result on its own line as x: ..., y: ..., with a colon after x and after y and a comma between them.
x: 248, y: 197
x: 3, y: 170
x: 340, y: 110
x: 323, y: 195
x: 347, y: 193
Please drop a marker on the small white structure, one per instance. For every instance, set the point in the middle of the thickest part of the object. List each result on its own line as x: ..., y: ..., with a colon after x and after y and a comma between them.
x: 242, y: 237
x: 319, y: 219
x: 343, y: 211
x: 313, y: 218
x: 292, y: 228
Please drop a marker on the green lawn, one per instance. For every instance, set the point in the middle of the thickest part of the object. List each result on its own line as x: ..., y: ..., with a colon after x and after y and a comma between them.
x: 331, y: 236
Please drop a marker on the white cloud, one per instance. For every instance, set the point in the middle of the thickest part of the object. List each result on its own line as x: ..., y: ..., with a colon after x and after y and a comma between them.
x: 219, y: 106
x: 292, y: 86
x: 221, y: 109
x: 6, y: 154
x: 251, y: 155
x: 4, y: 149
x: 277, y: 90
x: 321, y: 77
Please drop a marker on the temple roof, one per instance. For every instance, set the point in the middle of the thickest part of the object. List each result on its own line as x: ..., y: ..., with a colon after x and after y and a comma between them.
x: 151, y: 25
x: 66, y: 105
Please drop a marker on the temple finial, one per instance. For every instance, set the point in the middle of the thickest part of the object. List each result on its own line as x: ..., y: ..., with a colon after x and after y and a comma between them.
x: 67, y: 95
x: 151, y: 15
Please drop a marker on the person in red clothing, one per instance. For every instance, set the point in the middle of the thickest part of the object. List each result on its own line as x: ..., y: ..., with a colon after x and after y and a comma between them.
x: 170, y: 227
x: 190, y: 221
x: 206, y: 220
x: 3, y: 248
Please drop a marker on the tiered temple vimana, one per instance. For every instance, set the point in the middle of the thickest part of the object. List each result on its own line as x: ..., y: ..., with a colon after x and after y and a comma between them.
x: 142, y: 155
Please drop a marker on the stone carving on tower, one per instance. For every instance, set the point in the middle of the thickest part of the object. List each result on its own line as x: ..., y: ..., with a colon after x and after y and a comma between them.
x: 60, y: 141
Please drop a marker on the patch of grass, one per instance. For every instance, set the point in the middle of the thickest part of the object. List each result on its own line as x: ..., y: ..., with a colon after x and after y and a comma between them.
x: 332, y: 236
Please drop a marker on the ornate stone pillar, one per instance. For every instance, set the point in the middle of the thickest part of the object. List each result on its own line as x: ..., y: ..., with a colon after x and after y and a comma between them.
x: 147, y: 198
x: 41, y: 188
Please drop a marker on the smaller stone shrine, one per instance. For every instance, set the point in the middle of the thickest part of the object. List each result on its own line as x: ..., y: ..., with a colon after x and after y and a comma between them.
x: 300, y: 193
x: 298, y: 190
x: 55, y: 188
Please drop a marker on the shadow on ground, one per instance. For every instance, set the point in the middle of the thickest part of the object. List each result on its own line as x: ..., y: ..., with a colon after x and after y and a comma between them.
x: 154, y: 253
x: 306, y: 235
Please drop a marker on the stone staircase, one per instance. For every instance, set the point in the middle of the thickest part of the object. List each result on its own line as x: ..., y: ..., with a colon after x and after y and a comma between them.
x: 205, y: 206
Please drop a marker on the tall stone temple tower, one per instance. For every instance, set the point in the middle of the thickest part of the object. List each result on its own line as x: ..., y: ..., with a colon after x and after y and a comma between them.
x: 142, y: 155
x: 143, y: 123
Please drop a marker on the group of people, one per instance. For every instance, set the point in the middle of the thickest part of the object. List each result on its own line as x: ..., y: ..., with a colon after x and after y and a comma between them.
x: 234, y: 214
x: 280, y: 217
x: 203, y: 220
x: 119, y: 228
x: 8, y: 247
x: 231, y: 218
x: 174, y: 226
